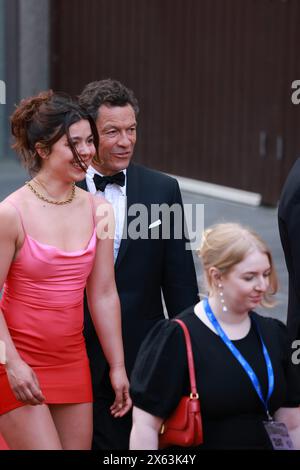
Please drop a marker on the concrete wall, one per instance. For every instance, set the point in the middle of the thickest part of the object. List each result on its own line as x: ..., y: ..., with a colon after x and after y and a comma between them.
x: 24, y: 57
x: 2, y: 76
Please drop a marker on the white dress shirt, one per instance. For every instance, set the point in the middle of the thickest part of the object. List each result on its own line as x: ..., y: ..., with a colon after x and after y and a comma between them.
x: 116, y: 195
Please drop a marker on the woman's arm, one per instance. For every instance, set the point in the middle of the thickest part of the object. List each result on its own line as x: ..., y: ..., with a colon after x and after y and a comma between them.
x: 21, y: 377
x: 104, y: 306
x: 291, y: 418
x: 145, y: 429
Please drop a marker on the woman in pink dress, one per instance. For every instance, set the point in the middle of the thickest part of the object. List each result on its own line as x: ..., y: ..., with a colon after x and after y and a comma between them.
x: 55, y: 240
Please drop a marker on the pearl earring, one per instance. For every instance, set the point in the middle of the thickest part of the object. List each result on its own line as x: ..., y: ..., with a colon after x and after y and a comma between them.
x: 224, y: 308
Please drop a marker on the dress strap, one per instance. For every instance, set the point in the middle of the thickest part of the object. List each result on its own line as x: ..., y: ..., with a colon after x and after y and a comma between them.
x: 93, y: 208
x: 19, y: 212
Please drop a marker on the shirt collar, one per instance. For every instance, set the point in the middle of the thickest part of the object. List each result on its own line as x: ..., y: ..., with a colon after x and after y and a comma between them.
x: 91, y: 171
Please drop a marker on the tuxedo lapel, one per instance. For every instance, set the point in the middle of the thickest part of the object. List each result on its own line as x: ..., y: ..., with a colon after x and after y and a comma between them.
x: 132, y: 195
x: 82, y: 184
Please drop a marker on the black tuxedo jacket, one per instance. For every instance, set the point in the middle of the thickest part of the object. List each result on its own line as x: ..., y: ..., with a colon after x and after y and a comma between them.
x: 289, y: 228
x: 144, y: 268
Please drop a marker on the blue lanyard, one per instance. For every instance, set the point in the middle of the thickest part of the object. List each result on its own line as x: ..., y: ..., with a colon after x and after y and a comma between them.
x: 246, y: 366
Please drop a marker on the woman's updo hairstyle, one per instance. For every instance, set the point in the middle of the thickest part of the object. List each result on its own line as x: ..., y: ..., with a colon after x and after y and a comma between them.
x: 227, y: 244
x: 43, y: 120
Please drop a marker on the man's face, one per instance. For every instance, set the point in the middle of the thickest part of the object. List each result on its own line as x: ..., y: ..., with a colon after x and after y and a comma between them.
x: 117, y: 132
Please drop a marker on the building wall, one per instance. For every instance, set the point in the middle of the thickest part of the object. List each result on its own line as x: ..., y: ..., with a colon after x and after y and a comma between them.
x: 33, y: 46
x: 213, y: 78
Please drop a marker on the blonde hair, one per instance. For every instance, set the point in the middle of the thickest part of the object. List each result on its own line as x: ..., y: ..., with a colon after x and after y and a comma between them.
x: 225, y: 245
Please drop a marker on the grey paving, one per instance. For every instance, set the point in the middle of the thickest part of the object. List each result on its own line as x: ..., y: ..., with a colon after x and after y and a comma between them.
x: 262, y: 219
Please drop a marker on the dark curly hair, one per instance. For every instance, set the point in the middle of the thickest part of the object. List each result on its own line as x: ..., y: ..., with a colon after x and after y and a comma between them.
x: 44, y: 119
x: 109, y: 92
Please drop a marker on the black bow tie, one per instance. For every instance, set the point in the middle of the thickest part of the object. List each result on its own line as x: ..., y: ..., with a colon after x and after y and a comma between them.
x: 102, y: 181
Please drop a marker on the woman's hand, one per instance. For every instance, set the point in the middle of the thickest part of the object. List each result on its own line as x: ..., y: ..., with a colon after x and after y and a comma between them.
x: 120, y: 384
x: 24, y: 382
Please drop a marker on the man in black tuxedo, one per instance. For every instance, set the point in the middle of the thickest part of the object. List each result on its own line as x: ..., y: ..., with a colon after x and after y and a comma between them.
x: 289, y: 229
x: 145, y: 265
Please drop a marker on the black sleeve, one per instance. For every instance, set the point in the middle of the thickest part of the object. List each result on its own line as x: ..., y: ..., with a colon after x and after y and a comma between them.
x: 179, y: 283
x: 291, y: 368
x: 289, y: 230
x: 160, y: 375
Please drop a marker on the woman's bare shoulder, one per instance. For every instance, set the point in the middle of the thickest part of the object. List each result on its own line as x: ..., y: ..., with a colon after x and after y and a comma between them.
x: 9, y: 219
x: 100, y: 200
x: 17, y: 199
x: 102, y: 207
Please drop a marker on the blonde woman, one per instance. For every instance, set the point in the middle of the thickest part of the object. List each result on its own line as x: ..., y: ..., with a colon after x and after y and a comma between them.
x: 244, y: 371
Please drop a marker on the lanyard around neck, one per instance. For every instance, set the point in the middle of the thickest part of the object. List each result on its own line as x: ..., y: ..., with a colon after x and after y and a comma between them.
x: 246, y: 366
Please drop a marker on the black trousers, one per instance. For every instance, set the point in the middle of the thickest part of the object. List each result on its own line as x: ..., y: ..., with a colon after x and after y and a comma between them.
x: 109, y: 433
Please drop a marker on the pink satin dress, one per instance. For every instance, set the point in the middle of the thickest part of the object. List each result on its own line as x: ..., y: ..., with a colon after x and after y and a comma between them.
x: 43, y: 307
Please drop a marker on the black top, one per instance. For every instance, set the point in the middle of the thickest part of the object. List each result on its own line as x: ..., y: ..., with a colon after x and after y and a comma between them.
x: 231, y: 410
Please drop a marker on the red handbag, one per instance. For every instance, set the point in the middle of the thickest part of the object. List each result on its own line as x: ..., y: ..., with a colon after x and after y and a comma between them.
x: 184, y: 426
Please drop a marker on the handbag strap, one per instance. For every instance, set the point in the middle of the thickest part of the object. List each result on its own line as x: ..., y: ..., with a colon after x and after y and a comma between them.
x: 190, y: 358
